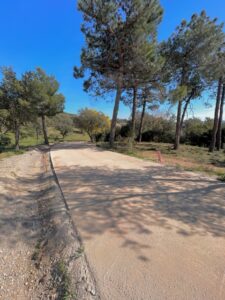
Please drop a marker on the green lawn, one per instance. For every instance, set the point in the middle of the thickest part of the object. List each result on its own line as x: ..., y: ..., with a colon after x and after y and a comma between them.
x: 28, y: 141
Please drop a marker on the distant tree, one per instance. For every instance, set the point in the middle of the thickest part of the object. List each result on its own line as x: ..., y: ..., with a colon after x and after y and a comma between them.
x: 64, y: 124
x: 152, y: 96
x: 4, y: 121
x: 157, y: 129
x: 115, y: 33
x: 13, y: 100
x: 197, y: 132
x: 36, y: 123
x: 43, y: 92
x: 92, y: 122
x: 189, y: 52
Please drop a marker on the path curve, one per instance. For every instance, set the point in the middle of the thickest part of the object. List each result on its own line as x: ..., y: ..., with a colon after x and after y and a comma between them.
x: 150, y: 232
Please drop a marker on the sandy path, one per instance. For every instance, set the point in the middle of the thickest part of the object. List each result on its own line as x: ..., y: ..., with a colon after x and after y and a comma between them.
x: 150, y: 232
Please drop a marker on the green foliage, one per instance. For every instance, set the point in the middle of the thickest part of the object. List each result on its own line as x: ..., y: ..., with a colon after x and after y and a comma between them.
x: 222, y: 178
x: 64, y: 286
x: 191, y: 50
x: 63, y: 123
x: 13, y: 100
x: 120, y: 49
x: 4, y: 120
x: 158, y: 129
x: 195, y: 131
x: 92, y: 122
x: 179, y: 93
x: 42, y: 89
x: 79, y: 252
x: 189, y: 54
x: 4, y: 141
x: 117, y: 34
x: 23, y: 100
x: 43, y: 92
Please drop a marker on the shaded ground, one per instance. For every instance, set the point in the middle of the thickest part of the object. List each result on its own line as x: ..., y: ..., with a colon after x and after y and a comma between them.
x: 19, y: 225
x: 41, y: 256
x: 150, y: 232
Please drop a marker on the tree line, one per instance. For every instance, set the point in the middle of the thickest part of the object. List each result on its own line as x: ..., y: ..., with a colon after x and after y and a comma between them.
x: 122, y: 54
x: 26, y: 99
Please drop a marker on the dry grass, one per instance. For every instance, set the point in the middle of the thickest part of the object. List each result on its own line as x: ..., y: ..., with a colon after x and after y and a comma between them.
x: 189, y: 158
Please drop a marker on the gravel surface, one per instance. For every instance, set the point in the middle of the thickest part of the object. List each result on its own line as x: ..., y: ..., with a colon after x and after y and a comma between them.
x: 19, y: 225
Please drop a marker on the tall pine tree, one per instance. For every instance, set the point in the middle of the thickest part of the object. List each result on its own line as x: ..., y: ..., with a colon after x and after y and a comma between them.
x: 189, y: 53
x: 113, y: 30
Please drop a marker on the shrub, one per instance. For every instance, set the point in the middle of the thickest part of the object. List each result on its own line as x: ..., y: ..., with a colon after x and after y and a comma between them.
x: 4, y: 141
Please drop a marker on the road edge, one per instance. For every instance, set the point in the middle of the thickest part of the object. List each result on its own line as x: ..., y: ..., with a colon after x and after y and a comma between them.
x: 61, y: 243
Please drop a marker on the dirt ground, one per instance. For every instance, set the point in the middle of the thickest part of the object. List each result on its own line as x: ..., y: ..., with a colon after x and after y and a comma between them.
x: 150, y: 231
x: 40, y: 251
x: 19, y: 225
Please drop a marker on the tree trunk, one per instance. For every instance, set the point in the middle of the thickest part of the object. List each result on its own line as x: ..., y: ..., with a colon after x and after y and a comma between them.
x: 178, y: 126
x: 115, y: 114
x: 220, y: 124
x: 216, y: 117
x: 37, y: 134
x: 17, y: 137
x: 142, y: 121
x: 91, y: 137
x: 44, y: 130
x: 134, y: 110
x: 185, y: 110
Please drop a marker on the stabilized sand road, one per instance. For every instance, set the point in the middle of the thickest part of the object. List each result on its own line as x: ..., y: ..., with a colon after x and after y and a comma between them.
x: 150, y: 232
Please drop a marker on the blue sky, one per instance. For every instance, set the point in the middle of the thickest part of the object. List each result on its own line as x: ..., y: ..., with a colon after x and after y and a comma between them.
x: 46, y: 33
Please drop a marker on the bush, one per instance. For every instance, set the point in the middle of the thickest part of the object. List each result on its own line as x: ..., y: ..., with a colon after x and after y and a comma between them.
x: 157, y: 136
x: 4, y: 141
x: 125, y: 130
x: 222, y: 178
x: 101, y: 137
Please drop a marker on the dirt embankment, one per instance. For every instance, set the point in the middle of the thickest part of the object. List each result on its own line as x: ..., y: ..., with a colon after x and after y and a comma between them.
x: 41, y: 255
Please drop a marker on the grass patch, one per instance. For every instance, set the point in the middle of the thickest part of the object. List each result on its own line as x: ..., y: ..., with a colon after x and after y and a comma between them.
x: 79, y: 252
x: 222, y: 178
x: 36, y: 254
x: 26, y: 142
x: 64, y: 282
x: 190, y: 158
x: 10, y: 152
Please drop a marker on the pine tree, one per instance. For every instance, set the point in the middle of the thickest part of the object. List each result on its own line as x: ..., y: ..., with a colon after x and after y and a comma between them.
x: 217, y: 72
x: 113, y: 30
x: 43, y: 92
x: 145, y: 74
x: 13, y: 99
x: 151, y: 97
x: 189, y: 53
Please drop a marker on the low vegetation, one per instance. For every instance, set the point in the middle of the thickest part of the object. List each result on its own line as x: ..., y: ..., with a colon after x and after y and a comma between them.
x: 30, y: 137
x: 64, y: 282
x: 190, y: 158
